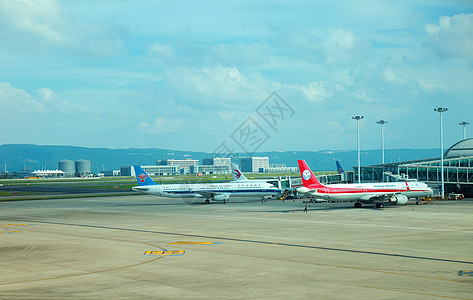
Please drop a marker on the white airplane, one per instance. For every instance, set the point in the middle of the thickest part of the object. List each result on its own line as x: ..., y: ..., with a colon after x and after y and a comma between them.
x: 209, y: 191
x: 392, y: 192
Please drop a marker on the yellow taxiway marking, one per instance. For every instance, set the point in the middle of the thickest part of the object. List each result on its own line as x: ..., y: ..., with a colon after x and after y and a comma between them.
x: 165, y: 253
x: 192, y: 243
x: 6, y: 230
x: 465, y: 273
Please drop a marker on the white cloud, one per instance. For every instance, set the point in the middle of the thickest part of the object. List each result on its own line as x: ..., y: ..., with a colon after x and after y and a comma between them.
x: 160, y: 50
x: 452, y: 37
x: 226, y: 115
x: 342, y: 45
x: 33, y: 25
x: 162, y: 125
x: 315, y: 91
x: 43, y: 21
x: 54, y: 103
x: 19, y: 103
x: 204, y: 81
x: 391, y: 76
x: 334, y: 126
x: 187, y: 69
x: 218, y: 86
x: 46, y: 94
x: 329, y: 46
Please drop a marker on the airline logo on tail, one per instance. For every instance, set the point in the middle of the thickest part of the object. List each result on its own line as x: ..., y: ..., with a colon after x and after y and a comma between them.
x: 142, y: 177
x: 306, y: 174
x: 237, y: 173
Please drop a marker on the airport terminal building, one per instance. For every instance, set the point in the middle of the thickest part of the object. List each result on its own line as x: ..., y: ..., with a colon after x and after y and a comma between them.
x: 457, y: 164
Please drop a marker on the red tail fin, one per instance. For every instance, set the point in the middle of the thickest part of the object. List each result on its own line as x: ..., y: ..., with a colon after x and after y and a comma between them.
x: 308, y: 178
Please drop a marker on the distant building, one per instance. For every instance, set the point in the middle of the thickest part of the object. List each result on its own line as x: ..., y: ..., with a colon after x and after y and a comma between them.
x: 151, y: 170
x: 254, y: 164
x: 47, y: 173
x: 183, y: 164
x: 211, y: 169
x: 111, y: 172
x: 280, y: 169
x: 217, y: 161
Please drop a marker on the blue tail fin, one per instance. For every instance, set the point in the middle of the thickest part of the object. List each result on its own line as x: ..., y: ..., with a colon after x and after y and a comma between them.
x: 339, y: 168
x: 142, y: 177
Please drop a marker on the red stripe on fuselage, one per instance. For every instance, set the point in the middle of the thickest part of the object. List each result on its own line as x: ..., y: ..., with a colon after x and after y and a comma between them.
x: 329, y: 190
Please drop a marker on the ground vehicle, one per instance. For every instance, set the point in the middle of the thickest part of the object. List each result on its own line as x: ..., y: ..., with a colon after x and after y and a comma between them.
x: 453, y: 196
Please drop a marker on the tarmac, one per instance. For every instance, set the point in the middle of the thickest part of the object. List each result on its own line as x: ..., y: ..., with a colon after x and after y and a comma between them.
x: 145, y: 247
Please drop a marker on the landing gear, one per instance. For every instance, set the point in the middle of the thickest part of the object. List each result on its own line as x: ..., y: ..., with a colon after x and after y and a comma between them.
x: 379, y: 205
x: 207, y: 201
x: 357, y: 205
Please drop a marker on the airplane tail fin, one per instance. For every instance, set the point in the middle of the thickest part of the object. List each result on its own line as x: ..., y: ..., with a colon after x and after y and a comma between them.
x: 339, y: 168
x: 308, y: 178
x: 237, y: 174
x: 142, y: 177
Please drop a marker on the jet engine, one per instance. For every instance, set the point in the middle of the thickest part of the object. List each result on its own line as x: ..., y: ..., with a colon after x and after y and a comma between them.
x: 399, y: 199
x: 302, y: 190
x: 224, y: 197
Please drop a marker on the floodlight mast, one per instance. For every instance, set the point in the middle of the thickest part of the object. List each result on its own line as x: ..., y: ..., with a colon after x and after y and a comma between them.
x: 441, y: 110
x: 382, y: 122
x: 463, y: 123
x: 358, y: 118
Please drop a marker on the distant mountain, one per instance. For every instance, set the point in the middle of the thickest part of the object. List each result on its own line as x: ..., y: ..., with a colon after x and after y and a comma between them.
x: 34, y: 157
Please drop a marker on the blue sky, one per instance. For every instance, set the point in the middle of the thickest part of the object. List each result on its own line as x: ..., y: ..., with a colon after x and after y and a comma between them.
x: 186, y: 75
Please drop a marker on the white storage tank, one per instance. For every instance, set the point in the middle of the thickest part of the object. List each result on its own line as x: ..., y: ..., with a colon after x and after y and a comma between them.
x: 68, y: 167
x: 83, y: 167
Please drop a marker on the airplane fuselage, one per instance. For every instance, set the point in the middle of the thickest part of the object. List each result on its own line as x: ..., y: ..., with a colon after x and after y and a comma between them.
x: 243, y: 189
x: 366, y: 191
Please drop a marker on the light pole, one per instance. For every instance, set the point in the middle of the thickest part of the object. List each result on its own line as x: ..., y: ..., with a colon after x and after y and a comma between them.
x: 463, y: 123
x: 358, y: 118
x: 382, y: 122
x: 441, y: 110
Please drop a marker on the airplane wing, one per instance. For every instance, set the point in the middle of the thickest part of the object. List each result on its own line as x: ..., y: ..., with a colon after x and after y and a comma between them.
x: 387, y: 196
x: 205, y: 194
x: 394, y: 197
x: 377, y: 197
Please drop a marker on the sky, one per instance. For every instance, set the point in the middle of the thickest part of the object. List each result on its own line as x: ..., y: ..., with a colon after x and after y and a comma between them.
x: 235, y: 76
